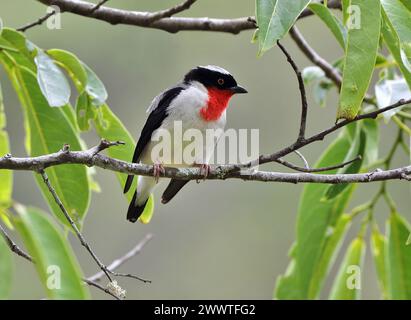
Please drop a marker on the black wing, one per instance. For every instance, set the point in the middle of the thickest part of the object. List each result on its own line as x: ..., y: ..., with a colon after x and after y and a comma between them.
x: 154, y: 121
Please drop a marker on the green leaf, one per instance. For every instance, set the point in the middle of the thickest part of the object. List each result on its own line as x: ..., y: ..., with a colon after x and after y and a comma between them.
x: 382, y: 62
x: 407, y: 4
x: 398, y: 258
x: 71, y: 117
x: 52, y: 82
x: 72, y: 65
x: 362, y: 46
x: 49, y: 129
x: 5, y: 45
x: 95, y: 87
x: 287, y: 285
x: 335, y: 26
x: 314, y: 220
x: 378, y: 244
x: 357, y: 149
x: 349, y: 274
x: 17, y: 40
x: 55, y: 262
x: 6, y: 176
x: 254, y: 39
x: 109, y: 126
x: 345, y: 10
x: 274, y: 20
x: 400, y: 19
x: 84, y: 112
x: 393, y: 44
x: 371, y: 131
x: 333, y: 242
x: 6, y: 269
x: 148, y: 211
x: 4, y: 216
x: 396, y: 45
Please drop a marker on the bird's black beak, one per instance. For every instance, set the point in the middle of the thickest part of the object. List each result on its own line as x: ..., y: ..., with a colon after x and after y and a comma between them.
x: 238, y: 89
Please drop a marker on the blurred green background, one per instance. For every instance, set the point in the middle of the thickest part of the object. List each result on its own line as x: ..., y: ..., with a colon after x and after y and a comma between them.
x: 222, y: 240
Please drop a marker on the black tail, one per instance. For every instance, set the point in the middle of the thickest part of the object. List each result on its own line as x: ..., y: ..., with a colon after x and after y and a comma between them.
x: 173, y: 187
x: 134, y: 211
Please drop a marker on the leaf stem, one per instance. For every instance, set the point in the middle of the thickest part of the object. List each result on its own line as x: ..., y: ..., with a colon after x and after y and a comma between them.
x: 401, y: 125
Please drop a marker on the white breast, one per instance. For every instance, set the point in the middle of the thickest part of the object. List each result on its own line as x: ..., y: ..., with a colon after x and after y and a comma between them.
x: 186, y: 108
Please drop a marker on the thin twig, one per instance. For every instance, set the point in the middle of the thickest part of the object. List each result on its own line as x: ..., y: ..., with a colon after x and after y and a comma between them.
x: 321, y: 135
x: 298, y: 153
x: 167, y: 13
x: 315, y: 58
x: 72, y: 223
x: 120, y: 261
x: 100, y: 287
x: 41, y: 20
x: 38, y: 22
x: 312, y: 170
x: 304, y: 104
x: 16, y: 249
x: 98, y: 6
x: 13, y: 246
x: 330, y: 72
x: 129, y: 275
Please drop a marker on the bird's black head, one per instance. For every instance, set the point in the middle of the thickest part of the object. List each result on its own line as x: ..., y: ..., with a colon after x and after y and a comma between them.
x: 214, y: 77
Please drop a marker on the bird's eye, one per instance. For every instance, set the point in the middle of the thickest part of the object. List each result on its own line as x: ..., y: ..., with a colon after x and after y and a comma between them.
x: 220, y: 81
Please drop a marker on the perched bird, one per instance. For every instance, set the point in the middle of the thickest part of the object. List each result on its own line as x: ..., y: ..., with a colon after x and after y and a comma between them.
x: 199, y: 102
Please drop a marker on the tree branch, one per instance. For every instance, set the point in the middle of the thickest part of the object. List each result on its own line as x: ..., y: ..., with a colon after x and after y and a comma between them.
x: 104, y: 144
x: 304, y: 104
x: 298, y: 153
x: 308, y: 169
x: 120, y: 261
x: 321, y: 135
x: 13, y: 246
x: 169, y: 24
x: 92, y: 157
x: 100, y: 287
x: 315, y: 58
x: 217, y: 173
x: 38, y: 22
x: 330, y: 72
x: 71, y: 221
x: 91, y: 281
x: 16, y: 249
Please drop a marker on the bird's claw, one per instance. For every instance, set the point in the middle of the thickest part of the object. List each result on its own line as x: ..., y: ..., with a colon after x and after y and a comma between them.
x: 158, y: 169
x: 204, y: 170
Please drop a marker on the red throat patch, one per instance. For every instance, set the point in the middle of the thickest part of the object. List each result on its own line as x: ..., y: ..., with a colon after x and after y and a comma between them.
x: 217, y: 103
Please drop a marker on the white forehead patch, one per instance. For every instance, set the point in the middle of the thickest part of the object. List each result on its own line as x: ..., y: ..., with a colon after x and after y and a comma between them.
x: 215, y: 68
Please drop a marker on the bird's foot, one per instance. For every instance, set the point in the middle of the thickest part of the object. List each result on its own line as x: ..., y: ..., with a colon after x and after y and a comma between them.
x: 204, y: 170
x: 158, y: 169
